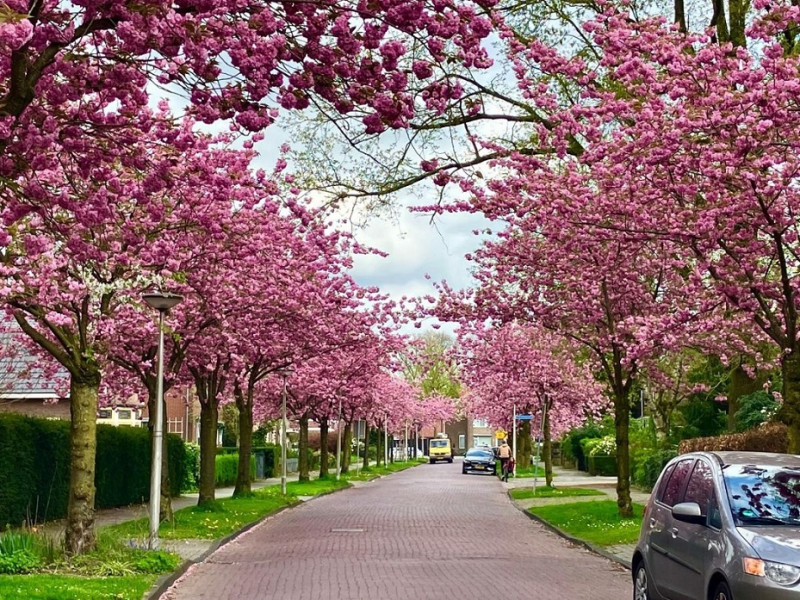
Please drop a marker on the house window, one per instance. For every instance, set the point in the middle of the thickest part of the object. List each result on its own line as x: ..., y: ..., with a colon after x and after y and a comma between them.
x: 124, y: 413
x: 175, y: 425
x: 104, y: 413
x: 462, y: 441
x: 480, y: 423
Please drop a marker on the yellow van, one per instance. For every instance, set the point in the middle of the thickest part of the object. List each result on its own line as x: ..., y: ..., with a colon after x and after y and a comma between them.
x: 439, y: 449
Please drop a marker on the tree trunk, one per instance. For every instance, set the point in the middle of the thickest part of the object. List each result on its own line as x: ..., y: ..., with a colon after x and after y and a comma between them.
x: 243, y: 487
x: 347, y: 446
x: 523, y: 452
x: 80, y: 534
x: 741, y: 385
x: 790, y: 412
x: 366, y: 445
x: 303, y: 465
x: 209, y: 417
x: 323, y: 448
x: 379, y: 448
x: 547, y: 448
x: 622, y: 418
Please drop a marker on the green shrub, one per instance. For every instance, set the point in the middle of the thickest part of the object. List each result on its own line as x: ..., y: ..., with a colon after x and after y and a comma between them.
x: 227, y: 468
x: 191, y: 477
x: 18, y: 563
x: 755, y: 409
x: 701, y: 418
x: 602, y: 465
x: 571, y: 449
x: 649, y: 467
x: 34, y: 473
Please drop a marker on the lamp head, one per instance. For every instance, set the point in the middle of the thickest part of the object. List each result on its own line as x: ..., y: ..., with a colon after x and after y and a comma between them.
x: 162, y: 301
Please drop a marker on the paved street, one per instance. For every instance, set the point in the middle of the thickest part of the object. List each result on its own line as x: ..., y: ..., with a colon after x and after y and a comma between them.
x: 427, y: 532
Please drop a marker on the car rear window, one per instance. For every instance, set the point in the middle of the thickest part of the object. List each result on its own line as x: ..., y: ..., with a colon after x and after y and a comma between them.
x: 439, y: 443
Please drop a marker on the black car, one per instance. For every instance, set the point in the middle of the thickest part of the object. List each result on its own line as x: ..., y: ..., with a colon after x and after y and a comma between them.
x: 481, y: 460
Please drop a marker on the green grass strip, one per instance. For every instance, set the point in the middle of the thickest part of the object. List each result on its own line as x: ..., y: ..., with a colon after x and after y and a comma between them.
x: 72, y: 587
x: 596, y: 522
x: 545, y: 491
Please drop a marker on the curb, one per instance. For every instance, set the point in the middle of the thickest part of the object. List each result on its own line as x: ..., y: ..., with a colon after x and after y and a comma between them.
x: 578, y: 542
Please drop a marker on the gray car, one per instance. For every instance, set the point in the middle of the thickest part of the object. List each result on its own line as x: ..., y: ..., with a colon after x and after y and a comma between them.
x: 721, y: 526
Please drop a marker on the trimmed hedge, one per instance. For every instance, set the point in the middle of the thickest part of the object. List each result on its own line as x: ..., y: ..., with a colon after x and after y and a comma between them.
x: 227, y: 468
x: 647, y: 470
x: 771, y: 437
x: 602, y: 465
x: 34, y: 472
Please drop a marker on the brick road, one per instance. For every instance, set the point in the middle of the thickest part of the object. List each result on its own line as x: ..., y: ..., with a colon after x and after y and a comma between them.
x: 424, y: 533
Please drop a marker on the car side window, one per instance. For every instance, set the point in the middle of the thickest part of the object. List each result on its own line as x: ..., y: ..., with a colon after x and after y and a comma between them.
x: 675, y: 483
x: 700, y: 488
x: 664, y: 480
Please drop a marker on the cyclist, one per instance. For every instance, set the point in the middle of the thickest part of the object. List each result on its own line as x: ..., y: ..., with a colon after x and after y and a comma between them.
x: 505, y: 456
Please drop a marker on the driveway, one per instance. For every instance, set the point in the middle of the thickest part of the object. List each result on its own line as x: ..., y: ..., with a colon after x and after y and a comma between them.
x: 427, y: 532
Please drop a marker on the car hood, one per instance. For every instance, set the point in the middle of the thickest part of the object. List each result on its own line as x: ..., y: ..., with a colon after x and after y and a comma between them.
x: 780, y: 544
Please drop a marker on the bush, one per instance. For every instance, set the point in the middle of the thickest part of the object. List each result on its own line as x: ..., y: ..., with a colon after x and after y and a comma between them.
x: 702, y: 418
x: 191, y: 476
x: 571, y: 449
x: 227, y: 468
x: 18, y: 563
x: 602, y: 465
x: 770, y: 437
x: 755, y: 409
x: 34, y: 473
x: 649, y: 466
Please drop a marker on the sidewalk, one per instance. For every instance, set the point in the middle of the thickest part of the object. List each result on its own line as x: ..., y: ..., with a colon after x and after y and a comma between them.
x: 574, y: 478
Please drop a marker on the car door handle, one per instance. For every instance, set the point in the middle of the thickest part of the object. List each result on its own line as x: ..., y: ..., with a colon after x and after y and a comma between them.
x: 652, y: 523
x: 674, y: 532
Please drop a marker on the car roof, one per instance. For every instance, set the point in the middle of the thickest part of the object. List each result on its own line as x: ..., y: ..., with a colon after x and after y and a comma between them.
x: 738, y: 457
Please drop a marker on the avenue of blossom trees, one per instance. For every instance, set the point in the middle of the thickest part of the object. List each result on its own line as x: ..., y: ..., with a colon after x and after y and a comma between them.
x: 644, y: 197
x: 106, y: 192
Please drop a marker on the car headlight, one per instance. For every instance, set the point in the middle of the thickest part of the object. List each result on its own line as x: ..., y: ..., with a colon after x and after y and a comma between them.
x: 780, y: 573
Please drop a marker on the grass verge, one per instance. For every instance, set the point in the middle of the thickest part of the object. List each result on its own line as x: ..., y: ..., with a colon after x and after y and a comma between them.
x: 39, y: 586
x: 552, y: 492
x: 596, y: 522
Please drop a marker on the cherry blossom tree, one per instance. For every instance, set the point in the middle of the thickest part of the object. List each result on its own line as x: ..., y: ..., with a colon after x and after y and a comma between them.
x: 526, y: 369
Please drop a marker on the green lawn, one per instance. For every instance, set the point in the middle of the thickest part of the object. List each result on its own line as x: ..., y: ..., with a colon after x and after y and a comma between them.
x: 528, y: 471
x: 227, y: 515
x: 71, y: 587
x: 545, y: 491
x: 595, y: 522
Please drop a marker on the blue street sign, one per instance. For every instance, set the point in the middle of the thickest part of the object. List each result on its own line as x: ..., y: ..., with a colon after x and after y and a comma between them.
x: 524, y: 417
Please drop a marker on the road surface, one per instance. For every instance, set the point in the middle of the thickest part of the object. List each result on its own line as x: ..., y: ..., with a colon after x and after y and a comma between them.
x: 425, y: 533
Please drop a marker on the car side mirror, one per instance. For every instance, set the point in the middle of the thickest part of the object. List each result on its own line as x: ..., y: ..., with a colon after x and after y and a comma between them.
x: 688, y: 512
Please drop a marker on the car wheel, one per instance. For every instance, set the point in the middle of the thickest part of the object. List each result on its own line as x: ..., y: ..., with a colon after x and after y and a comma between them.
x: 464, y: 470
x: 450, y: 461
x: 640, y: 583
x: 722, y: 592
x: 433, y: 460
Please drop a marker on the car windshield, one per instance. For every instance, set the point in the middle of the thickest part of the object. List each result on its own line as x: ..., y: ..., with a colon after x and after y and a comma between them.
x: 438, y: 443
x: 478, y: 453
x: 763, y: 495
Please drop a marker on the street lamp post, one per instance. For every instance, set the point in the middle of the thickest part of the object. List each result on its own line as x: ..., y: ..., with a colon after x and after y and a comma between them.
x: 162, y: 302
x: 284, y: 372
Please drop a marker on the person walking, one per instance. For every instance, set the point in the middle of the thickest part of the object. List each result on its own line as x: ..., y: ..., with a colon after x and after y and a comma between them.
x: 504, y: 455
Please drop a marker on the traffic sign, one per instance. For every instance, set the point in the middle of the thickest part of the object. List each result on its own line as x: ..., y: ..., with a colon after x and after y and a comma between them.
x: 524, y: 417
